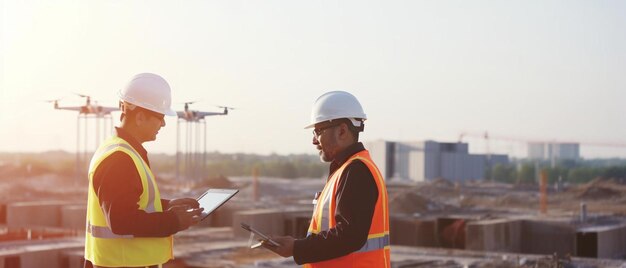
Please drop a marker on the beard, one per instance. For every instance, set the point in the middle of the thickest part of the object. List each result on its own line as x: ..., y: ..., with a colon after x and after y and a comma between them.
x: 324, y: 157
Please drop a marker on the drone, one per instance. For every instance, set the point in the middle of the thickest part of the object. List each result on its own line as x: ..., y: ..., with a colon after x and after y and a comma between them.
x: 195, y: 116
x: 86, y: 109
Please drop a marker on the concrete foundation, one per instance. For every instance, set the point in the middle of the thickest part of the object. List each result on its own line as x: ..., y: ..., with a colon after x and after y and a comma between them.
x: 72, y: 258
x: 297, y: 223
x: 38, y: 253
x: 450, y: 231
x: 268, y: 221
x: 606, y: 242
x: 48, y: 259
x: 498, y: 235
x: 34, y: 214
x: 3, y: 213
x: 10, y: 262
x: 272, y: 221
x: 223, y: 216
x: 73, y: 217
x: 548, y: 237
x: 410, y: 231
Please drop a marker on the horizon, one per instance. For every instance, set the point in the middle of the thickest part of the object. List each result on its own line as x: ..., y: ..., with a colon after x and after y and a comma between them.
x: 277, y: 154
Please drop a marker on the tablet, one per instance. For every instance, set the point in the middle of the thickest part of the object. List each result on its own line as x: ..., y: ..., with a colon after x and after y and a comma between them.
x: 262, y: 235
x: 213, y: 199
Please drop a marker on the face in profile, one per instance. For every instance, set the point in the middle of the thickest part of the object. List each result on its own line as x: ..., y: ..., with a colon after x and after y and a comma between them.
x: 150, y: 123
x: 325, y: 138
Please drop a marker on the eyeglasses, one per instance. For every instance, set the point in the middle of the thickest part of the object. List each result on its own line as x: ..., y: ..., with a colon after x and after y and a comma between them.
x: 318, y: 131
x: 158, y: 116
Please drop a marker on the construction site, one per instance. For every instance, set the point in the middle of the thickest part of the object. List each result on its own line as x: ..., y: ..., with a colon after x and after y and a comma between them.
x: 497, y: 129
x: 433, y: 224
x: 447, y: 207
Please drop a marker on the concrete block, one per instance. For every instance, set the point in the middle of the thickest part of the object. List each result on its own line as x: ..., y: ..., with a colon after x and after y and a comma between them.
x: 450, y: 231
x: 499, y: 235
x: 48, y: 259
x: 73, y: 217
x: 34, y: 214
x: 548, y: 237
x: 223, y: 216
x: 411, y: 231
x: 10, y: 261
x: 72, y: 258
x: 605, y: 242
x: 3, y: 214
x: 296, y: 222
x: 290, y: 221
x: 269, y: 221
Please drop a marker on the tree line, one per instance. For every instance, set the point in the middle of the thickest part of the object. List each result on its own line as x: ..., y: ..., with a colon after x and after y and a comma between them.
x: 309, y: 166
x: 239, y: 164
x: 580, y: 171
x: 217, y: 164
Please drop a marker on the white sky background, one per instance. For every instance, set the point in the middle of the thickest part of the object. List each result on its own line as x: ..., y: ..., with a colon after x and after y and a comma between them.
x: 552, y: 70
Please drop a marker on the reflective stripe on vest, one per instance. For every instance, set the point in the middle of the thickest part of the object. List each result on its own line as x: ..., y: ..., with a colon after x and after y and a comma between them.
x: 327, y: 195
x: 104, y: 232
x: 372, y: 243
x: 375, y: 243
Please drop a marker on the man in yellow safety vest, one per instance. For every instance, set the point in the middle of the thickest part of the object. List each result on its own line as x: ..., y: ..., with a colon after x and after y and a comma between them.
x: 128, y: 224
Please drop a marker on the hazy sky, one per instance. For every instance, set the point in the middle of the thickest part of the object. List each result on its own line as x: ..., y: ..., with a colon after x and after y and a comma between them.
x: 548, y: 70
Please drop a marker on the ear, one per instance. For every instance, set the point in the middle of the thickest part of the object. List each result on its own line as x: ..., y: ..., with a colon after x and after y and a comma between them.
x: 346, y: 133
x: 140, y: 118
x: 343, y: 132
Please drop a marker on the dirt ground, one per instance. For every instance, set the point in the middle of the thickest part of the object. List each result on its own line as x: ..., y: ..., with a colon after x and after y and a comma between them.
x: 601, y: 196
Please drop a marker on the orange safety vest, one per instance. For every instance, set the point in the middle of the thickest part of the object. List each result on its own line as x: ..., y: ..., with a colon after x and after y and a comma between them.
x: 376, y: 250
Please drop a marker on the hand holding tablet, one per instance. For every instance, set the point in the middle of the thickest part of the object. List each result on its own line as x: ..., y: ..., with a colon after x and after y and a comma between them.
x: 213, y: 199
x: 262, y: 235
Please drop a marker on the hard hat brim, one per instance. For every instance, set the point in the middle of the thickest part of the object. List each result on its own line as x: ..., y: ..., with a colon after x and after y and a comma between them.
x: 170, y: 112
x: 352, y: 120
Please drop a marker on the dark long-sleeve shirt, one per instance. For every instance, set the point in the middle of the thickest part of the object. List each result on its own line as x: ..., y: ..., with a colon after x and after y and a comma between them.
x: 118, y: 187
x: 356, y: 199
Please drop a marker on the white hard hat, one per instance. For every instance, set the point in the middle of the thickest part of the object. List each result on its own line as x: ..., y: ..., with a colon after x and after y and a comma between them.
x: 149, y: 91
x: 335, y: 105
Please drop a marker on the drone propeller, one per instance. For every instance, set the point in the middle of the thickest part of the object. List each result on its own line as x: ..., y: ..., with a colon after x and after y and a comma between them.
x: 81, y: 95
x: 53, y: 100
x: 225, y: 107
x: 189, y: 102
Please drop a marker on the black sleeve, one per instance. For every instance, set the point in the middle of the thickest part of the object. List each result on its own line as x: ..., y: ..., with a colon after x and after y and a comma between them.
x: 356, y: 200
x: 118, y: 187
x: 165, y: 203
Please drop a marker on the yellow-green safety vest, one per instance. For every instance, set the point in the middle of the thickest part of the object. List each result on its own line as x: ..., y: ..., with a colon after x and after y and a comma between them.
x: 102, y: 246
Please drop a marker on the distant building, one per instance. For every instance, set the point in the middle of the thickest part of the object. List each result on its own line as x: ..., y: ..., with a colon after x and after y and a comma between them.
x: 553, y: 151
x: 428, y: 160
